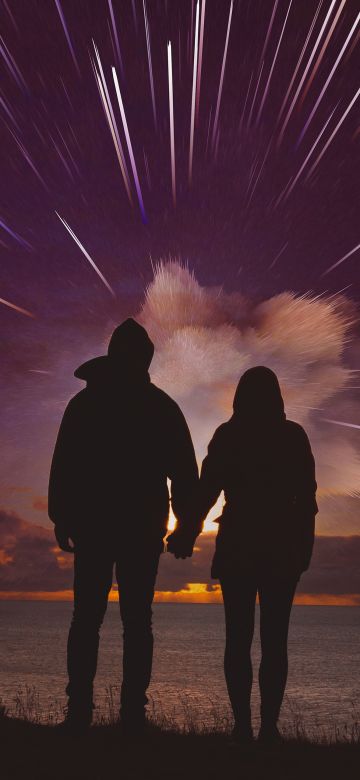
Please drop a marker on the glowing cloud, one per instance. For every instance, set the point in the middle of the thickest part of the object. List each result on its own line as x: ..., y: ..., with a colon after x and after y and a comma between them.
x: 206, y: 338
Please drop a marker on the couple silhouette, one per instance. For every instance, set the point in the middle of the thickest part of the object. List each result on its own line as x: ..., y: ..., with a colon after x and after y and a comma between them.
x: 121, y: 439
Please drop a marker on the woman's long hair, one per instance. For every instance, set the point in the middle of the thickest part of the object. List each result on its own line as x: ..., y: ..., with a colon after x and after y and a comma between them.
x: 258, y: 401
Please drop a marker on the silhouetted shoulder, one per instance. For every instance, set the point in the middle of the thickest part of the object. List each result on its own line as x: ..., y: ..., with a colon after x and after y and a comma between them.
x: 296, y: 431
x: 164, y: 401
x: 221, y: 432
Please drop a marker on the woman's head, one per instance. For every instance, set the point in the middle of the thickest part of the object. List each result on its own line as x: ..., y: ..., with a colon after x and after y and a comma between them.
x: 258, y: 396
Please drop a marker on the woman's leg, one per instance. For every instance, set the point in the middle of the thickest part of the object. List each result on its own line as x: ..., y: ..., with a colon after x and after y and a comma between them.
x: 239, y: 602
x: 276, y: 598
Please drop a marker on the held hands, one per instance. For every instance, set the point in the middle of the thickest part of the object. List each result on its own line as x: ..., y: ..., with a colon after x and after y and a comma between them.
x: 180, y: 544
x: 63, y: 539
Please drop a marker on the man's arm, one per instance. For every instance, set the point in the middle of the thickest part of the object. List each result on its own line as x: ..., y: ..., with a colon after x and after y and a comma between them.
x: 62, y: 478
x: 211, y: 477
x: 184, y: 476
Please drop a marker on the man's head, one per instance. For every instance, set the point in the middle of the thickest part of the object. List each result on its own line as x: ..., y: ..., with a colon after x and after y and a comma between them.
x: 130, y: 346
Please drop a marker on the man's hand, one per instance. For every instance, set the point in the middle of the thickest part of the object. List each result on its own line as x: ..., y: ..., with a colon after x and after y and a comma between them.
x: 180, y: 544
x: 63, y: 539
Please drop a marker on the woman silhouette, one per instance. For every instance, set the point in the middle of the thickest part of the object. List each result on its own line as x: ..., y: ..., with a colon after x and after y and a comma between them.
x: 265, y: 466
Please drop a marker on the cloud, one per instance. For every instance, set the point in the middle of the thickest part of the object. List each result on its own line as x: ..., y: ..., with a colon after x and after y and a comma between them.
x: 30, y: 562
x: 206, y: 338
x: 29, y: 557
x: 334, y: 568
x: 40, y: 503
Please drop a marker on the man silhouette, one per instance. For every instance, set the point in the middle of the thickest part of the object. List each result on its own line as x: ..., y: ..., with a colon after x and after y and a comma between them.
x: 120, y: 439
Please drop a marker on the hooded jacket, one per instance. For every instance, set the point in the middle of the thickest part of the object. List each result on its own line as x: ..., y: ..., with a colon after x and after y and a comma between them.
x: 264, y: 464
x: 120, y: 439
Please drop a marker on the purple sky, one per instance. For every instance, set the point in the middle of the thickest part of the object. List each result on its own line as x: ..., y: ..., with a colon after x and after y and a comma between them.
x: 58, y: 155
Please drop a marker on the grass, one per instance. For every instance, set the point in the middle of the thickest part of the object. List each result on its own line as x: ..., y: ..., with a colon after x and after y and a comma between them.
x: 33, y: 750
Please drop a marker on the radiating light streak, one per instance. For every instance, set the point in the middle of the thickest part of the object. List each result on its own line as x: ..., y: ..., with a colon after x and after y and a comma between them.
x: 179, y: 50
x: 129, y: 145
x: 40, y: 134
x: 291, y: 184
x: 147, y: 170
x: 260, y: 171
x: 352, y: 47
x: 148, y: 46
x: 112, y: 41
x: 15, y: 235
x: 252, y: 172
x: 191, y: 30
x: 282, y: 109
x: 216, y: 118
x: 345, y: 257
x: 11, y: 15
x: 245, y: 103
x: 17, y: 308
x: 91, y: 261
x: 322, y: 52
x: 200, y: 59
x: 272, y: 68
x: 217, y: 145
x: 333, y: 134
x: 109, y: 113
x: 193, y: 95
x: 282, y: 250
x: 254, y: 98
x: 66, y: 93
x: 172, y: 133
x: 67, y: 36
x: 9, y: 113
x: 62, y: 158
x: 307, y: 68
x: 268, y: 31
x: 28, y: 159
x: 38, y: 371
x: 75, y: 139
x: 339, y: 422
x: 327, y: 82
x: 208, y: 131
x: 135, y: 16
x: 117, y: 44
x: 68, y: 150
x: 12, y: 66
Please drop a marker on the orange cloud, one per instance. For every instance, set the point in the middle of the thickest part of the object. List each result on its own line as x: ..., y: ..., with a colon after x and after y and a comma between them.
x: 32, y: 566
x: 40, y: 503
x: 196, y: 593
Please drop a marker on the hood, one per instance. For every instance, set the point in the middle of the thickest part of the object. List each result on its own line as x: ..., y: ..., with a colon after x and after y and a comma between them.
x: 258, y: 397
x: 130, y: 353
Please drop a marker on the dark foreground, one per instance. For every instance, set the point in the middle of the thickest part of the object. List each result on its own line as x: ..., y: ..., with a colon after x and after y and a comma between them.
x: 33, y: 752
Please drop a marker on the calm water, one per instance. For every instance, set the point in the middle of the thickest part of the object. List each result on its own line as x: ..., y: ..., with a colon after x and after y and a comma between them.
x: 324, y: 651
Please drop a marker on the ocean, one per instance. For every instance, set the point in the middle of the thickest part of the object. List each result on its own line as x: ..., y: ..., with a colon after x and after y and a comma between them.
x: 188, y: 684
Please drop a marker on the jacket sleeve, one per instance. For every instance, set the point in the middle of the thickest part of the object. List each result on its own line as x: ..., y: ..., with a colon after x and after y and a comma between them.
x: 305, y: 500
x: 62, y: 482
x: 211, y: 478
x: 184, y: 475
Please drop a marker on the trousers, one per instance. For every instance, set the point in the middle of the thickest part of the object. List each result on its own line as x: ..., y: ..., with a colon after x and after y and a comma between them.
x: 275, y: 597
x: 93, y: 575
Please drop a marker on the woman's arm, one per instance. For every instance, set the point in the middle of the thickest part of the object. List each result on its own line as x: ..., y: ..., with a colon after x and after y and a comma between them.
x: 212, y: 476
x: 305, y: 500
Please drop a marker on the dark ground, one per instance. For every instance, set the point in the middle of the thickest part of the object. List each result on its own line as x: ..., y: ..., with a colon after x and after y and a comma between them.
x: 36, y: 752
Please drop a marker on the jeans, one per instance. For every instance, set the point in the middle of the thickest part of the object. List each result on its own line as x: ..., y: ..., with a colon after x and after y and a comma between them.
x: 276, y: 597
x: 93, y: 573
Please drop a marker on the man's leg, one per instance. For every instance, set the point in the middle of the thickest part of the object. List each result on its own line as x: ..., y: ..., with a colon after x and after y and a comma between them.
x: 136, y: 579
x: 92, y: 583
x: 276, y: 597
x: 239, y: 602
